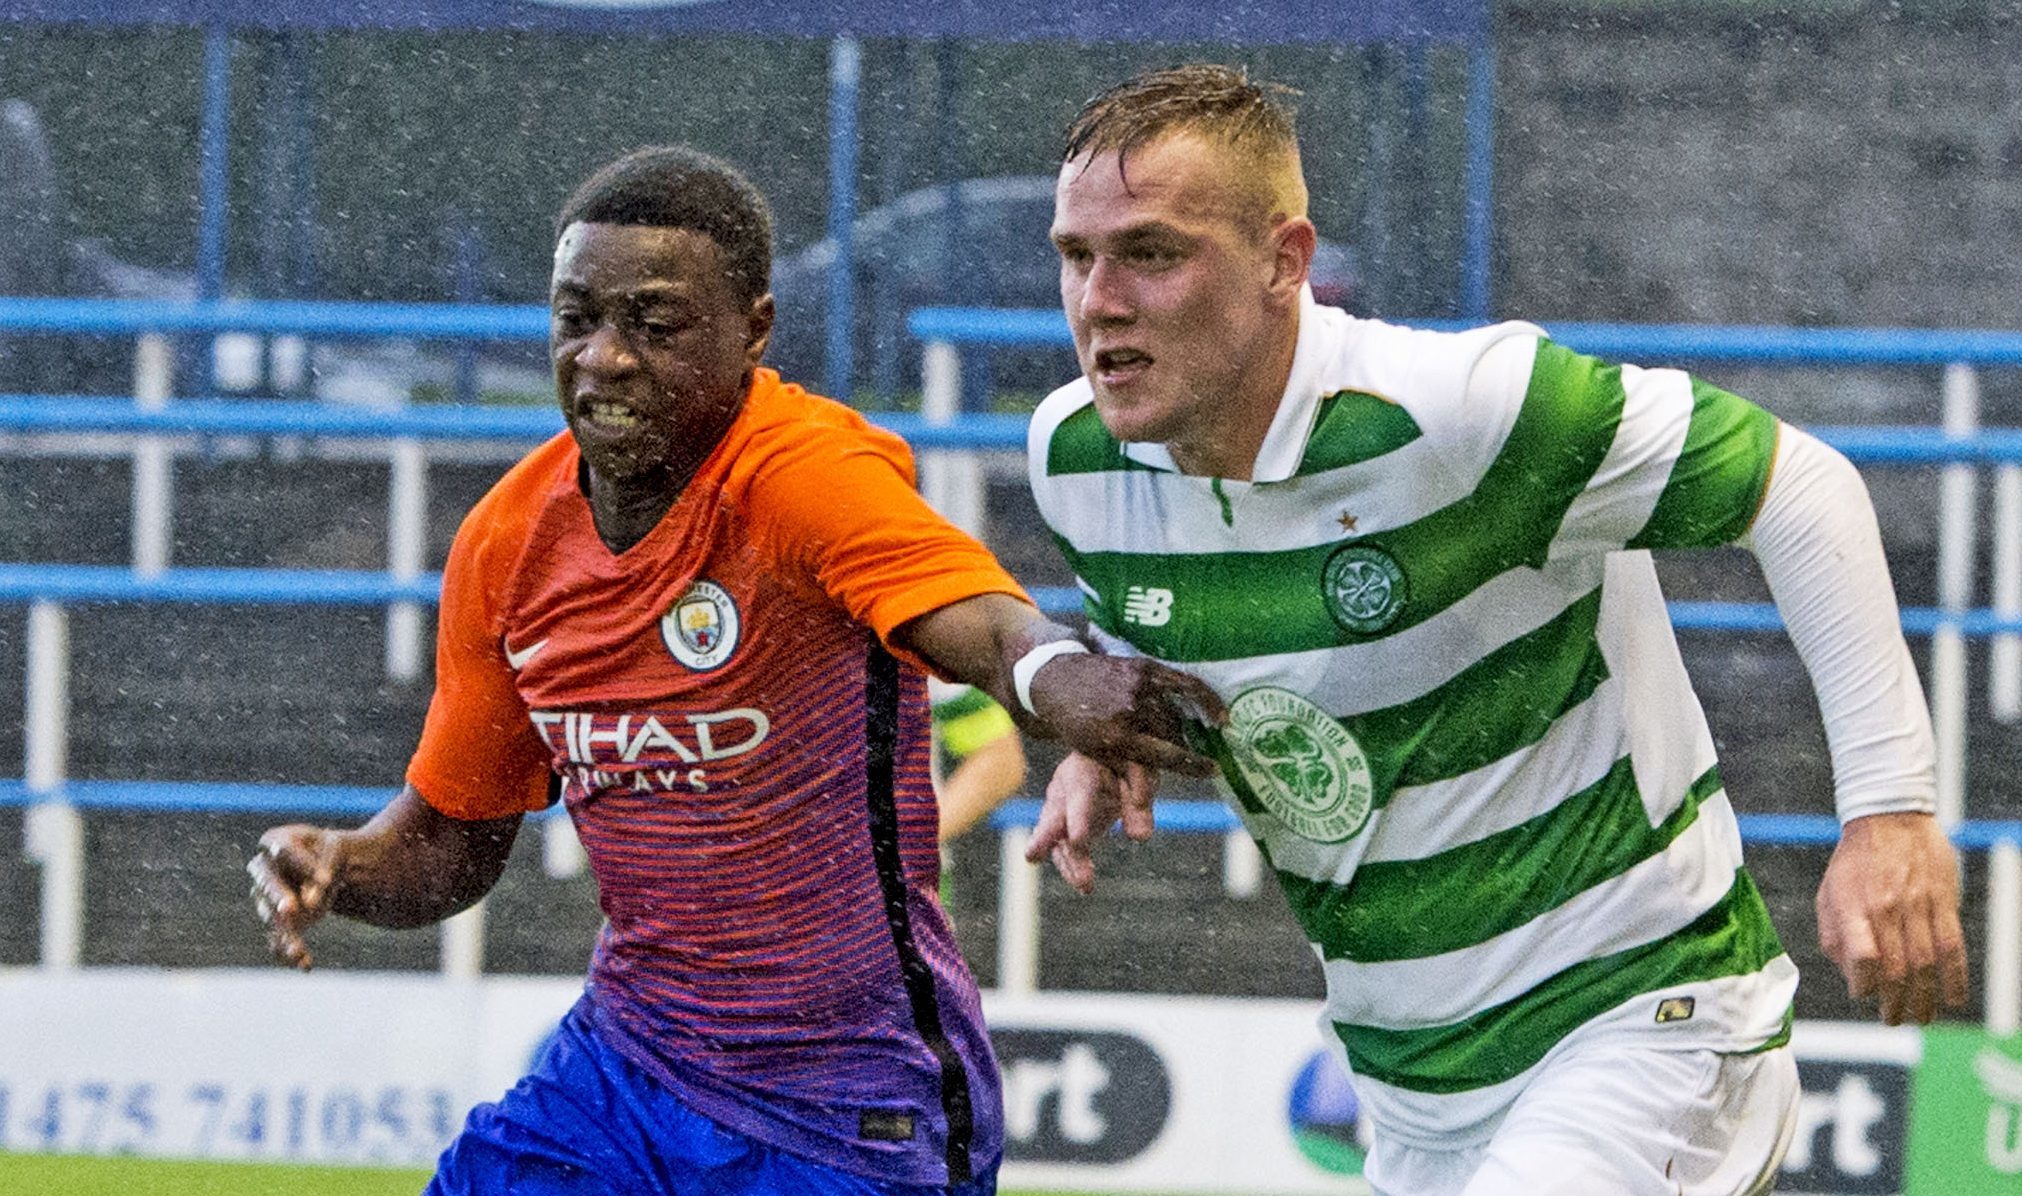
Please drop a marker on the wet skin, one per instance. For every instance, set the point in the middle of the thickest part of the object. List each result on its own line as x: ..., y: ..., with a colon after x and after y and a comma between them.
x: 1182, y: 290
x: 653, y: 350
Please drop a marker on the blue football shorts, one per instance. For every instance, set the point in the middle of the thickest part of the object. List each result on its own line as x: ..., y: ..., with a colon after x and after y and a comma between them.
x: 589, y: 1122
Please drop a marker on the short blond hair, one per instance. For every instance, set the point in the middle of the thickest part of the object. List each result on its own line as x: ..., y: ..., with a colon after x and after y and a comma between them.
x: 1221, y: 104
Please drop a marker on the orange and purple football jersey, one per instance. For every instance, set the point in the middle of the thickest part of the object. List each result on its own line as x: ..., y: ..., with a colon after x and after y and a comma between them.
x: 745, y: 756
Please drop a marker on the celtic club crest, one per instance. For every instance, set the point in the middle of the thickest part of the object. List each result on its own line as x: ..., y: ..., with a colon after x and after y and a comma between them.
x: 1364, y: 588
x: 1300, y: 764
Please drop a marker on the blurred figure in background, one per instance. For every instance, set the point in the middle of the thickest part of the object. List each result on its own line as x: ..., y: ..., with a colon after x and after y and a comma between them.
x: 979, y: 762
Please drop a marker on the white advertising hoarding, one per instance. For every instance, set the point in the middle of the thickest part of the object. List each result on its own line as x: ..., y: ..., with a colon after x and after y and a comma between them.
x: 1102, y: 1092
x: 362, y: 1068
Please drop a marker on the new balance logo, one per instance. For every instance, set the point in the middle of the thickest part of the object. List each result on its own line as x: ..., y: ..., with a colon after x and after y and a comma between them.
x: 1147, y: 607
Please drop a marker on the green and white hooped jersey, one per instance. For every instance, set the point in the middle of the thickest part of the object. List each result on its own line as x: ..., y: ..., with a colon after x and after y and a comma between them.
x: 1459, y: 726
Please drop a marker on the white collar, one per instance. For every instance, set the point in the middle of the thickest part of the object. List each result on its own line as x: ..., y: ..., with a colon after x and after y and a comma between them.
x: 1285, y: 441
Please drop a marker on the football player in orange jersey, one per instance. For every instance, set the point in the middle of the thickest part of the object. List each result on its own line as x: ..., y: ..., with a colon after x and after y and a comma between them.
x: 703, y: 618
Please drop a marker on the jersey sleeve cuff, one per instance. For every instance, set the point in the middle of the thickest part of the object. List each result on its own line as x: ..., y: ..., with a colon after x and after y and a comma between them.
x: 896, y: 611
x: 476, y: 803
x: 1855, y: 806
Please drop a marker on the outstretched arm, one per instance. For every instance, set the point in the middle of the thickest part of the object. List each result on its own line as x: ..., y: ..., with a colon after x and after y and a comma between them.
x: 1098, y: 701
x: 1888, y: 910
x: 409, y: 866
x: 1120, y: 710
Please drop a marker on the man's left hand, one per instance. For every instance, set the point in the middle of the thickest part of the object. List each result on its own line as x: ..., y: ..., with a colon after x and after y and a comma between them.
x: 1888, y: 915
x: 1083, y: 801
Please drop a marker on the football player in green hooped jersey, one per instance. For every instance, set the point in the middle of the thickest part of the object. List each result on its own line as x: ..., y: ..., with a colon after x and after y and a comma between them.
x: 1416, y: 567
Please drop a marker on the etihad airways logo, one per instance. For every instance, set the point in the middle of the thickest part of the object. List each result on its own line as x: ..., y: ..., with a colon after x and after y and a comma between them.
x: 647, y: 752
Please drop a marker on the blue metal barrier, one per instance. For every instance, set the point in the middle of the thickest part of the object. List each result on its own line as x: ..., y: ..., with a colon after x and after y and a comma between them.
x: 1772, y: 830
x: 319, y: 318
x: 261, y: 417
x: 1174, y: 816
x: 205, y: 797
x: 1047, y: 328
x: 82, y: 584
x: 106, y: 584
x: 998, y: 327
x: 215, y: 797
x: 57, y: 585
x: 1872, y: 445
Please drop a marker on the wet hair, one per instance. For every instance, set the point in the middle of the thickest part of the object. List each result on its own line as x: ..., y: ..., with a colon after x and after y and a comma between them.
x: 667, y: 186
x: 1219, y: 102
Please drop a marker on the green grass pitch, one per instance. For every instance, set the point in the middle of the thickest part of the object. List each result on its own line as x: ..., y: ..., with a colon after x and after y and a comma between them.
x: 74, y: 1175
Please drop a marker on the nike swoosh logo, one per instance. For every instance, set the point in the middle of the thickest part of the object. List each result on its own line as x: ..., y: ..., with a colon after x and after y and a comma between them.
x: 518, y: 660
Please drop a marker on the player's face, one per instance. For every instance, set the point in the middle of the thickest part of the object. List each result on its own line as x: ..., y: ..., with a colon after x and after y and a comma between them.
x: 652, y: 347
x: 1166, y: 273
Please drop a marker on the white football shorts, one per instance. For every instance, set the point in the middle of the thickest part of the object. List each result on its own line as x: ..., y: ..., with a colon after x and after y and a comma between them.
x: 1615, y: 1120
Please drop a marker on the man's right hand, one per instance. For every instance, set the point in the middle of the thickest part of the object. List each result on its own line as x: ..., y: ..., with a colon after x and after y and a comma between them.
x: 1115, y: 709
x: 293, y: 874
x: 1083, y: 800
x: 1127, y: 712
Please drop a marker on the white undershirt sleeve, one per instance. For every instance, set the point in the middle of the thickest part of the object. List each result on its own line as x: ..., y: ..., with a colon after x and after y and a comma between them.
x: 1821, y: 551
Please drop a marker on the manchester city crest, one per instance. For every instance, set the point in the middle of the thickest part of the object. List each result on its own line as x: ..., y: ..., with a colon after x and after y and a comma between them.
x: 1363, y: 587
x: 1303, y: 767
x: 701, y: 627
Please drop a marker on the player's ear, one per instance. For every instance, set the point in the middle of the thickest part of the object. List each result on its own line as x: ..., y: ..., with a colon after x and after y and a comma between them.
x: 1292, y: 246
x: 760, y: 318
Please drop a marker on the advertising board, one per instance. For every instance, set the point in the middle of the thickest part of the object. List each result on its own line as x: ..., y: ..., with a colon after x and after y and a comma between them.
x: 1102, y: 1092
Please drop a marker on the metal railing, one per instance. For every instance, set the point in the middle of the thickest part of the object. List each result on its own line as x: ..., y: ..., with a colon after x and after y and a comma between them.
x: 951, y: 477
x: 153, y: 322
x: 56, y: 802
x: 1958, y: 446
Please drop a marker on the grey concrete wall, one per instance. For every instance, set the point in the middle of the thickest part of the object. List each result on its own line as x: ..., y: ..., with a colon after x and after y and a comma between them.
x: 1844, y: 169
